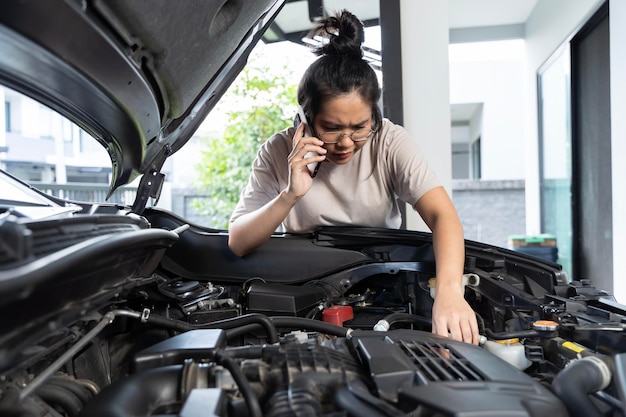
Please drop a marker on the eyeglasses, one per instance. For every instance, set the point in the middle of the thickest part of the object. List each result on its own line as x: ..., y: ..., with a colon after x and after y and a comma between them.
x: 331, y: 138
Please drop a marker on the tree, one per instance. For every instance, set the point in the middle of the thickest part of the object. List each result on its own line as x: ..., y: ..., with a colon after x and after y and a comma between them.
x: 260, y: 102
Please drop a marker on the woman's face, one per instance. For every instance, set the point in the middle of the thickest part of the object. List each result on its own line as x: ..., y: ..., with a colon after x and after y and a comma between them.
x: 346, y: 114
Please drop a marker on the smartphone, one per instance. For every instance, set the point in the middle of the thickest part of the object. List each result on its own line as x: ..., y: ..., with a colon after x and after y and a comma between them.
x: 301, y: 118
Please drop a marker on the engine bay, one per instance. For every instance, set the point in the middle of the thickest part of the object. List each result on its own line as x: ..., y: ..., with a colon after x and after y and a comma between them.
x: 124, y: 323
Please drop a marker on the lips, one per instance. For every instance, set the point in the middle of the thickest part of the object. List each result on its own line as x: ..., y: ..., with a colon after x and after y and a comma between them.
x: 343, y: 156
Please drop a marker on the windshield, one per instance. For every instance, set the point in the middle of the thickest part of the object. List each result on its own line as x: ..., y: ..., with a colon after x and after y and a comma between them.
x: 13, y: 192
x: 19, y: 200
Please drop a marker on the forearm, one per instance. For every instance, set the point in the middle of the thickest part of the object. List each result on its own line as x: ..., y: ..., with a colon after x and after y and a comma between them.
x: 449, y: 251
x: 452, y: 315
x: 439, y: 213
x: 251, y: 230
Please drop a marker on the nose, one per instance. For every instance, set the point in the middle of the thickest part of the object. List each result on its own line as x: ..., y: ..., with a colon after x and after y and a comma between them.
x: 345, y: 135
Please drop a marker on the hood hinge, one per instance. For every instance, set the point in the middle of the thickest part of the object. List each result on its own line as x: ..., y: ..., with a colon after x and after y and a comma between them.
x: 151, y: 183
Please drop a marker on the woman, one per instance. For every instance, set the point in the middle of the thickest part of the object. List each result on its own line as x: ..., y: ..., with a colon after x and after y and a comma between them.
x: 365, y: 164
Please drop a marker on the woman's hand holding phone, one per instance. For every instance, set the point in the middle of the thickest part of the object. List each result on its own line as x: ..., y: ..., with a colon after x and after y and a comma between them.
x: 307, y: 150
x: 302, y: 119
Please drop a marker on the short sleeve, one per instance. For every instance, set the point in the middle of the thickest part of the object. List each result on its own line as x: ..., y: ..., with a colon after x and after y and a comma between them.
x: 410, y: 174
x: 268, y: 176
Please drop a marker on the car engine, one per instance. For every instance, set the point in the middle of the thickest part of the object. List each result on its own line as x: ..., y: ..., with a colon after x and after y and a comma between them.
x: 123, y: 318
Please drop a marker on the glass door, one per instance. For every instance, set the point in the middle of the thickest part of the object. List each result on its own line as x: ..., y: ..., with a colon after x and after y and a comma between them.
x: 555, y: 150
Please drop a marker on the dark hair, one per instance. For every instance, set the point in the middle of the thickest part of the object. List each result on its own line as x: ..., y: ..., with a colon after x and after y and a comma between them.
x: 340, y: 69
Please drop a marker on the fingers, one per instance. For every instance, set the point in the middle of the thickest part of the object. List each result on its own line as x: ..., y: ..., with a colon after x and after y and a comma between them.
x: 441, y: 329
x: 474, y: 332
x: 461, y: 329
x: 306, y: 150
x: 467, y: 332
x: 306, y: 146
x: 299, y: 134
x: 307, y: 153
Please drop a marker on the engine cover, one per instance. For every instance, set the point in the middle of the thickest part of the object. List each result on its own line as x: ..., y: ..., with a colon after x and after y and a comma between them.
x: 419, y: 370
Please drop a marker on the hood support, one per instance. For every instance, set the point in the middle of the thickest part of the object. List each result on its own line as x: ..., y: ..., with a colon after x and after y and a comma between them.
x: 151, y: 183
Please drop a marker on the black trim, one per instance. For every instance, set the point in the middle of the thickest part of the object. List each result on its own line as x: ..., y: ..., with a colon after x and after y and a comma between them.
x: 391, y: 58
x: 589, y: 262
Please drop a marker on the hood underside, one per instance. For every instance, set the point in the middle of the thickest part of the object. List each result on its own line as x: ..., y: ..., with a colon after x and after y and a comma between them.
x: 139, y: 76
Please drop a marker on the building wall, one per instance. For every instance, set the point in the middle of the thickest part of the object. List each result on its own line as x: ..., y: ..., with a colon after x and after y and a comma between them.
x: 490, y: 211
x: 493, y: 78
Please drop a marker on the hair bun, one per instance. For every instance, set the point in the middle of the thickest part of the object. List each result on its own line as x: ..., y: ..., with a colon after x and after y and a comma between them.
x: 342, y: 34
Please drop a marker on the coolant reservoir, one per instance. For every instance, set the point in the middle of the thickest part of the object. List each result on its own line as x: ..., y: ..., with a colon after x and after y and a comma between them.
x: 473, y: 280
x: 511, y: 350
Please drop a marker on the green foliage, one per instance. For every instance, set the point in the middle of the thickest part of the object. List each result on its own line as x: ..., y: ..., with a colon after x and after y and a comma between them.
x: 260, y: 102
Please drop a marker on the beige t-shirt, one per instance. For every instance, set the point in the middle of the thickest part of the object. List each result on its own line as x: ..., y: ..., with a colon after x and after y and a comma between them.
x: 359, y: 193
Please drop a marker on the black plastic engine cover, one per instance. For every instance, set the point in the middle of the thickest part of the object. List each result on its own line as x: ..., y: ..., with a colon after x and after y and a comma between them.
x: 280, y: 299
x: 417, y: 369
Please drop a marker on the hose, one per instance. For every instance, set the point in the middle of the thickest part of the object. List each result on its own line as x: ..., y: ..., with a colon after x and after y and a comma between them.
x: 138, y: 395
x: 230, y: 323
x: 61, y: 397
x: 142, y: 393
x: 579, y: 379
x: 519, y: 334
x: 308, y: 324
x: 252, y: 402
x: 301, y: 323
x: 389, y: 320
x: 74, y: 387
x: 240, y: 331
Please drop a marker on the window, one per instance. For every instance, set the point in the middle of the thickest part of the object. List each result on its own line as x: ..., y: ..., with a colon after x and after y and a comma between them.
x: 555, y: 152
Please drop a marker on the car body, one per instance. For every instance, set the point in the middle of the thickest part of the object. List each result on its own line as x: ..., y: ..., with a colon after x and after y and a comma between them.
x: 128, y: 310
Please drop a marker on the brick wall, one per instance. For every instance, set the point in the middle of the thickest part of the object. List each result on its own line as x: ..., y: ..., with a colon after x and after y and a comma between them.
x: 490, y: 211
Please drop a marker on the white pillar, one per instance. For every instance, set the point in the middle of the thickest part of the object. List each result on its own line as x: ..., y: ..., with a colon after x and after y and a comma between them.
x: 425, y: 80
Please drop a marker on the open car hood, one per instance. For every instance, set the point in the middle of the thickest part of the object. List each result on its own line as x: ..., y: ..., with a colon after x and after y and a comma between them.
x: 139, y: 83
